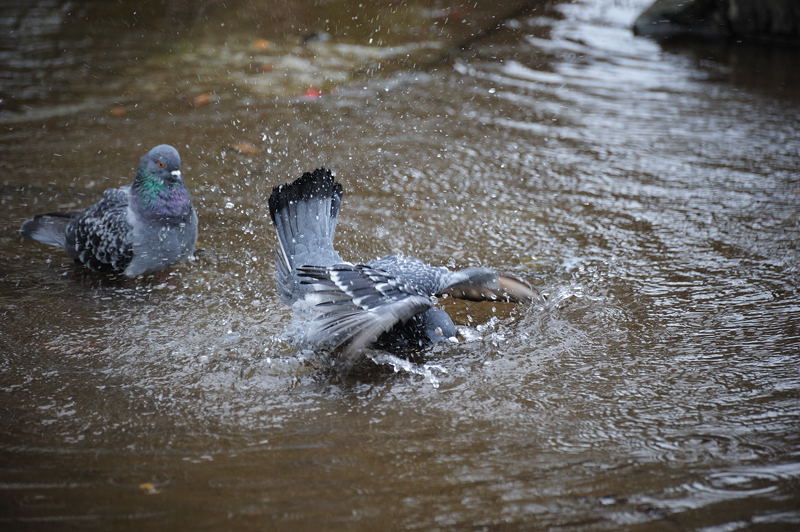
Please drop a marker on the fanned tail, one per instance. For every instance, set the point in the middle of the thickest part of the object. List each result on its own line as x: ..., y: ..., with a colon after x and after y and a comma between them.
x: 304, y: 213
x: 48, y: 228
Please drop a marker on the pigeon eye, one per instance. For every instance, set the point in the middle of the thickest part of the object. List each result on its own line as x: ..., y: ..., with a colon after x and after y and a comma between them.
x: 160, y: 164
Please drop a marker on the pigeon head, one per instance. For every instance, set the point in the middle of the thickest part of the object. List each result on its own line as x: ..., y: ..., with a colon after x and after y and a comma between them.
x: 158, y: 188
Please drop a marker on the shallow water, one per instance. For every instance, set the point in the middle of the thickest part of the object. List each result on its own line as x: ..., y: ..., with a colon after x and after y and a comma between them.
x: 650, y: 192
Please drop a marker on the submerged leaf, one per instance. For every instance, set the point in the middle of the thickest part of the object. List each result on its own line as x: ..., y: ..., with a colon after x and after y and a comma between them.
x: 149, y: 488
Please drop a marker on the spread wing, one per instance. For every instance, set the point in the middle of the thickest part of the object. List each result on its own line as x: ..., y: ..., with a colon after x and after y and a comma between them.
x: 100, y: 236
x: 484, y: 284
x: 356, y: 304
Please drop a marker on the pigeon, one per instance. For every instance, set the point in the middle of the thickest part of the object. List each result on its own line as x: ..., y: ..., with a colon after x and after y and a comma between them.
x: 388, y: 303
x: 134, y: 229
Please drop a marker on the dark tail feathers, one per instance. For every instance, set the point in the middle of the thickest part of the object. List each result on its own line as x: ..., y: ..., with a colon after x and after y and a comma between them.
x: 304, y: 213
x: 48, y: 228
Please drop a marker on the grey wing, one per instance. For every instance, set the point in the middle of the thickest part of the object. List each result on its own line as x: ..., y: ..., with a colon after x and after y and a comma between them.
x: 484, y: 284
x: 356, y: 304
x: 100, y: 236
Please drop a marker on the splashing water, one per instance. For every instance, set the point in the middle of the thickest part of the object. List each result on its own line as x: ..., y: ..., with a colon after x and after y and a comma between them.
x: 427, y: 370
x: 650, y: 190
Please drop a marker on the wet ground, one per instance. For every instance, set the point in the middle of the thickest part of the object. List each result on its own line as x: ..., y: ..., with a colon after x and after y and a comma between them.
x: 652, y: 193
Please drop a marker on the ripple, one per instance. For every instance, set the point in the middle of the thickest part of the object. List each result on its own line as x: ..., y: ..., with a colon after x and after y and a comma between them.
x: 747, y: 481
x: 651, y: 197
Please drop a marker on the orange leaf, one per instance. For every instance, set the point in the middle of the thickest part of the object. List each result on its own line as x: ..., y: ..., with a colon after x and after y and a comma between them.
x: 261, y: 44
x: 245, y: 148
x: 202, y: 99
x: 149, y: 488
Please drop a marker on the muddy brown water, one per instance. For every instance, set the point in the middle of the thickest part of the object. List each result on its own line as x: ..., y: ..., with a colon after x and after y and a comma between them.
x: 652, y: 192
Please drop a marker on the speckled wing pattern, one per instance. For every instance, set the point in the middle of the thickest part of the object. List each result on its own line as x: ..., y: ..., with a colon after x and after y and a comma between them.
x: 423, y: 278
x: 100, y: 236
x: 474, y: 284
x: 357, y: 303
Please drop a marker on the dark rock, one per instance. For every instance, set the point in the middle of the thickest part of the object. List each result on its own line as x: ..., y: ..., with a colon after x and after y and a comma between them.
x: 759, y: 20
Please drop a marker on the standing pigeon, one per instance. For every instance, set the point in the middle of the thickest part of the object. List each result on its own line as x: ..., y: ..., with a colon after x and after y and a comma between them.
x: 388, y: 302
x: 135, y: 229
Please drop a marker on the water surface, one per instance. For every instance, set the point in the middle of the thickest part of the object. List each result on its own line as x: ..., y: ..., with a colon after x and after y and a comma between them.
x: 650, y: 192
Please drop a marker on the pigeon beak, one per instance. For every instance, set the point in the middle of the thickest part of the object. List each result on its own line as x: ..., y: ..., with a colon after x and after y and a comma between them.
x: 176, y: 176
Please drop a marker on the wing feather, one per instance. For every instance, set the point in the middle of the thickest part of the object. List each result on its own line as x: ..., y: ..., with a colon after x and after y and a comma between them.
x: 100, y: 236
x: 357, y: 304
x: 484, y: 284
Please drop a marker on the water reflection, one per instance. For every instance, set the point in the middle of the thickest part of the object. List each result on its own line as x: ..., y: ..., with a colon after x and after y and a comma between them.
x: 650, y: 193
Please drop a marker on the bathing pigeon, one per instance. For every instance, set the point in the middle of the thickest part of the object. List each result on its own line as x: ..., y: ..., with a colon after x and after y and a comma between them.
x: 135, y: 229
x: 388, y: 302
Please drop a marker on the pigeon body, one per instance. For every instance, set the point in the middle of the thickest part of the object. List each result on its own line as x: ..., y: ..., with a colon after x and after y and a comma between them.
x: 388, y: 302
x: 138, y: 228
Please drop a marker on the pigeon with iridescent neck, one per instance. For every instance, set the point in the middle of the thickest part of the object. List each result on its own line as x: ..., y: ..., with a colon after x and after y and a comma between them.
x: 388, y: 302
x: 138, y: 228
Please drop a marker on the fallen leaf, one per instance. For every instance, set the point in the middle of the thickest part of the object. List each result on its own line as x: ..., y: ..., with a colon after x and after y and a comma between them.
x: 261, y: 44
x: 312, y: 92
x: 118, y: 110
x: 266, y: 67
x: 203, y: 99
x: 245, y: 148
x: 149, y: 488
